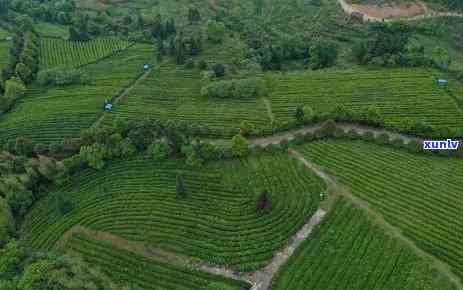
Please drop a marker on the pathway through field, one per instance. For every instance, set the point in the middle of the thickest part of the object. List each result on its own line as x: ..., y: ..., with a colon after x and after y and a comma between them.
x: 124, y: 93
x: 336, y: 188
x: 290, y: 135
x: 260, y: 280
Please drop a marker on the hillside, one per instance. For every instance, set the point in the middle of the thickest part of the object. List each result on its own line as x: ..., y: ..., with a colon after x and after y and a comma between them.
x: 231, y: 145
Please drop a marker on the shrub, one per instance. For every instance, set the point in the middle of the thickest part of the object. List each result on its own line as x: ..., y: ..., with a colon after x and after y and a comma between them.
x: 246, y: 128
x: 240, y: 146
x: 398, y: 142
x: 60, y: 77
x: 383, y: 138
x: 353, y: 134
x: 94, y: 155
x: 328, y: 129
x: 159, y: 151
x: 203, y: 65
x: 219, y: 70
x: 368, y: 136
x: 20, y: 201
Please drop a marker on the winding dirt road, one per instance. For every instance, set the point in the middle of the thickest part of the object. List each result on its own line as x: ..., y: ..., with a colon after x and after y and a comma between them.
x: 290, y: 135
x: 368, y: 18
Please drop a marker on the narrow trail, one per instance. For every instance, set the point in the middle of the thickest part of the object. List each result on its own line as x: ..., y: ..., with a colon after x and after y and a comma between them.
x: 431, y: 14
x: 260, y: 280
x: 124, y: 93
x: 290, y: 135
x: 342, y: 190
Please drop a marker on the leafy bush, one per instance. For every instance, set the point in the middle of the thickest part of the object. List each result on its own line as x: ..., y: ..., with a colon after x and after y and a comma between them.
x: 240, y: 146
x: 60, y: 77
x: 245, y: 88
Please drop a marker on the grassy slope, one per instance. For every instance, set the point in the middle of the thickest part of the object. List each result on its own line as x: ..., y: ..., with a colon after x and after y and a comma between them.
x: 136, y: 199
x: 347, y: 251
x: 127, y: 268
x: 52, y: 114
x: 416, y: 193
x: 398, y: 94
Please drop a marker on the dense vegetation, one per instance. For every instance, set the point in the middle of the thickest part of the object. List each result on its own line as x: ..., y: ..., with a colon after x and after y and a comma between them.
x: 348, y: 244
x: 418, y: 194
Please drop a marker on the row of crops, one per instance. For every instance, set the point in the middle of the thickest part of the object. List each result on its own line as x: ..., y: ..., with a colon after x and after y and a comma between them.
x: 218, y: 221
x: 49, y: 114
x: 4, y: 52
x: 347, y: 251
x: 138, y: 272
x: 418, y: 194
x: 400, y: 95
x: 63, y: 53
x: 172, y: 92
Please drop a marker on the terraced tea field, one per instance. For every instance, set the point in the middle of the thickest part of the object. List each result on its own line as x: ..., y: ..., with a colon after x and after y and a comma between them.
x: 4, y: 52
x: 419, y: 194
x: 218, y: 222
x: 348, y: 251
x: 398, y: 94
x: 127, y: 268
x: 63, y: 53
x: 173, y: 92
x: 52, y: 114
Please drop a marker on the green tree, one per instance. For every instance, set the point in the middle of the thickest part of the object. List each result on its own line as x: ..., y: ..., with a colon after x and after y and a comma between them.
x: 7, y: 225
x: 11, y: 260
x: 215, y: 31
x: 246, y: 128
x: 160, y: 151
x: 24, y: 146
x: 300, y: 115
x: 23, y: 72
x: 240, y: 146
x: 180, y: 187
x: 441, y: 58
x: 94, y: 155
x: 20, y: 201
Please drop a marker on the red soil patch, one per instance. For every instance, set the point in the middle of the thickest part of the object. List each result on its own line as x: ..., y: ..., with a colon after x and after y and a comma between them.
x: 391, y: 11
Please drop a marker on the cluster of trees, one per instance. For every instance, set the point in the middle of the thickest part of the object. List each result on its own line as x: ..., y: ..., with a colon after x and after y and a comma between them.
x: 390, y: 44
x: 235, y: 89
x: 181, y: 47
x: 21, y: 69
x: 317, y: 54
x: 370, y: 116
x: 60, y: 77
x: 22, y: 270
x: 24, y: 180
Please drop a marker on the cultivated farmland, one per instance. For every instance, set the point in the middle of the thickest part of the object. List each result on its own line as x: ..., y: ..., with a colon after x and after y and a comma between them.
x: 349, y: 252
x: 4, y: 50
x: 400, y: 95
x: 62, y: 53
x: 50, y: 114
x: 172, y: 92
x: 127, y: 268
x: 217, y: 222
x: 419, y: 194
